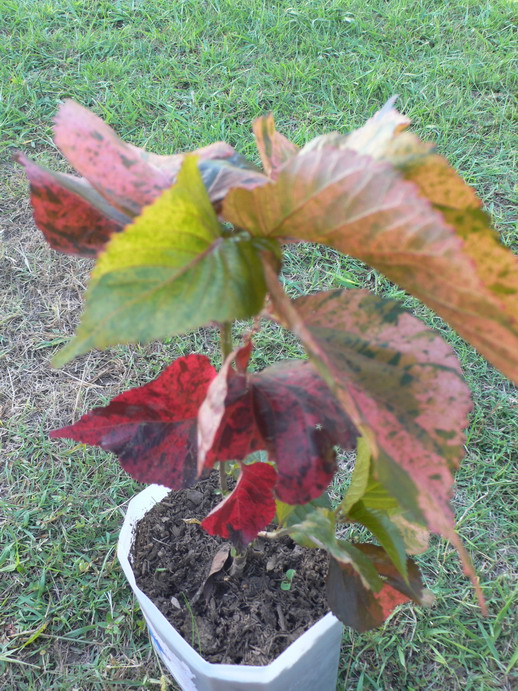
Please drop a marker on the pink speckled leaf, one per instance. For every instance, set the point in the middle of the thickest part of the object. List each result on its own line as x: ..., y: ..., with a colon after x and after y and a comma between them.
x: 447, y: 257
x: 130, y: 178
x: 118, y: 171
x: 402, y: 386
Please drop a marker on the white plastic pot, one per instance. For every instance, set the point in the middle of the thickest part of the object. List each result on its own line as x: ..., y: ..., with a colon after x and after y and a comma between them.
x: 309, y: 664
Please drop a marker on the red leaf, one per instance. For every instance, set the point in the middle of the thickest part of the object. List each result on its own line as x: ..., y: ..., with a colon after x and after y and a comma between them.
x: 226, y: 423
x: 286, y: 409
x: 73, y: 217
x: 248, y: 509
x: 300, y: 422
x: 152, y: 428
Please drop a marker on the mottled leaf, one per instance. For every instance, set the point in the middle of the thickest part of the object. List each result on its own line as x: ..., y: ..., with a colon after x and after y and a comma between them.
x: 286, y: 409
x: 301, y: 424
x: 274, y: 148
x: 131, y: 178
x: 72, y: 216
x: 117, y: 170
x: 362, y: 608
x: 490, y: 322
x: 173, y: 269
x: 448, y: 258
x: 412, y: 587
x: 152, y: 428
x: 249, y: 508
x: 401, y: 384
x: 403, y: 388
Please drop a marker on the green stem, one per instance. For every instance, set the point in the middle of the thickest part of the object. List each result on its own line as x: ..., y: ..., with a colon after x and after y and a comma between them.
x: 225, y: 334
x: 225, y: 331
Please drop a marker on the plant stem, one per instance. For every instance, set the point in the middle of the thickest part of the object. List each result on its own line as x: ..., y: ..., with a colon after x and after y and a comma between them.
x: 223, y: 484
x: 225, y: 335
x: 225, y: 331
x: 238, y: 564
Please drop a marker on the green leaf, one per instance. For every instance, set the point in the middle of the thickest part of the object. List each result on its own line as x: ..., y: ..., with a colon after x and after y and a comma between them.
x: 385, y: 531
x: 377, y: 497
x: 318, y: 531
x: 365, y: 487
x: 290, y: 514
x: 359, y: 478
x: 172, y: 270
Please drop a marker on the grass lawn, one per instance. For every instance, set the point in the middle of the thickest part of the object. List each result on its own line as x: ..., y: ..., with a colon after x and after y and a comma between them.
x: 173, y: 75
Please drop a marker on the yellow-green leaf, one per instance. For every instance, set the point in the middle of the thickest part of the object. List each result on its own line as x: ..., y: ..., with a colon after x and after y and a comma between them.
x: 172, y: 270
x: 360, y: 476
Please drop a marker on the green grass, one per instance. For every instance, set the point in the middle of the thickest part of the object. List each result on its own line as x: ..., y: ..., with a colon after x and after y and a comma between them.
x: 175, y: 75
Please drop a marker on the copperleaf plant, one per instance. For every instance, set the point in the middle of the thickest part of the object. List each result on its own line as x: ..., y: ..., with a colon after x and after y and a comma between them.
x: 196, y: 239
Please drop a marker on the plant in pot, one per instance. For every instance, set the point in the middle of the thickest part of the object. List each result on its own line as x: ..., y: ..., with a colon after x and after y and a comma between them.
x: 196, y: 240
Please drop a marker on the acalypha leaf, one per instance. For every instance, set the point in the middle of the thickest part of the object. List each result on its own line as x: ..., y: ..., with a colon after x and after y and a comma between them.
x: 130, y: 178
x: 286, y: 409
x: 274, y: 148
x: 362, y: 608
x: 173, y: 269
x: 73, y: 217
x: 249, y: 508
x: 402, y: 386
x: 152, y: 428
x: 77, y: 215
x: 445, y: 254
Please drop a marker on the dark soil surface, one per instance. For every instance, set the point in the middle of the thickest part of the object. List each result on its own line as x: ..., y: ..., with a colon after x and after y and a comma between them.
x: 245, y: 619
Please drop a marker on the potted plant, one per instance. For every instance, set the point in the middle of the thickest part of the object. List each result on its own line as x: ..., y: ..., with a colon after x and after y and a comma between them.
x: 191, y: 240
